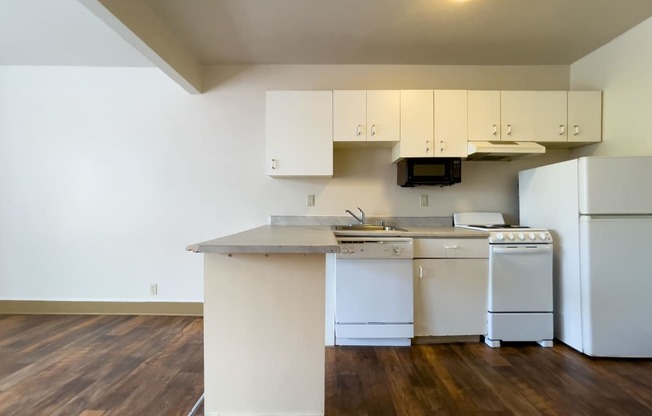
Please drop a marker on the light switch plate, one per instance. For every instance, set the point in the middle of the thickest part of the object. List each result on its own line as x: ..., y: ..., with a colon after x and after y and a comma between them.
x: 311, y: 200
x: 423, y: 201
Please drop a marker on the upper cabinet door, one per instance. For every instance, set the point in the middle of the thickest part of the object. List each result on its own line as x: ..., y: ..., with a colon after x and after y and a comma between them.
x: 451, y: 123
x: 299, y: 131
x: 484, y: 115
x: 417, y: 121
x: 516, y: 112
x: 584, y: 116
x: 349, y: 116
x: 550, y: 116
x: 383, y: 116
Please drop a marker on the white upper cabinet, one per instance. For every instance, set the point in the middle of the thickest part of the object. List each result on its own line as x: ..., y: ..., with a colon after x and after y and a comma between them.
x: 550, y: 116
x: 299, y: 131
x: 584, y: 116
x: 450, y: 123
x: 484, y: 115
x: 516, y: 112
x: 349, y: 116
x: 372, y: 116
x: 417, y: 124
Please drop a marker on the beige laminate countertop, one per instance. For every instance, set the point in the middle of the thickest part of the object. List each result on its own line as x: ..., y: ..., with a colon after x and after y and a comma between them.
x: 312, y: 239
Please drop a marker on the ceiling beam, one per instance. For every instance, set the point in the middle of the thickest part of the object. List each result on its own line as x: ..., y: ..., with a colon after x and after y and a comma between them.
x: 139, y: 25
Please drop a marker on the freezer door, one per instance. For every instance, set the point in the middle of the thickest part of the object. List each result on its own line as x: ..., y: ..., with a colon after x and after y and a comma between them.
x: 616, y: 285
x: 615, y: 185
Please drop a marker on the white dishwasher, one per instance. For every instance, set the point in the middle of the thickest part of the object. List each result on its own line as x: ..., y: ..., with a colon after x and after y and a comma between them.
x: 374, y: 291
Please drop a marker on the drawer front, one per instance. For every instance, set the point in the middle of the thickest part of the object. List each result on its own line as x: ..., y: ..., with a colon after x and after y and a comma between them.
x: 468, y: 248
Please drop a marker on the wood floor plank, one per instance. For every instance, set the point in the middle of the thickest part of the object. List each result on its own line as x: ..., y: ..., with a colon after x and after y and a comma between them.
x: 100, y: 365
x: 144, y: 365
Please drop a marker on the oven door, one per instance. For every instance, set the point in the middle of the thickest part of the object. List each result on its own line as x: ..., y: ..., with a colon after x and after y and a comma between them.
x: 520, y: 278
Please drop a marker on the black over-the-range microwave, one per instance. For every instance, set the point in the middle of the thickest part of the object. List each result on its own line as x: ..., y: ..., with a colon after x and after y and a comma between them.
x: 429, y: 171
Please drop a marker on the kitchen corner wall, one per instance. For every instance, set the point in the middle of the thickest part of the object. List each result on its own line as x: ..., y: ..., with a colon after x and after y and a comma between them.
x: 622, y: 69
x: 106, y: 174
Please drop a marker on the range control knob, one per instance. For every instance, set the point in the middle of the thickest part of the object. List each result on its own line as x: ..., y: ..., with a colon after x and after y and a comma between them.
x: 521, y: 236
x: 510, y: 236
x: 543, y: 236
x: 398, y: 251
x: 532, y: 236
x: 500, y: 236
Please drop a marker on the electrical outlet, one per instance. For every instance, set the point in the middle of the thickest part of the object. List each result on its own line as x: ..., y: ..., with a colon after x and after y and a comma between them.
x: 311, y: 200
x: 153, y: 289
x: 423, y: 201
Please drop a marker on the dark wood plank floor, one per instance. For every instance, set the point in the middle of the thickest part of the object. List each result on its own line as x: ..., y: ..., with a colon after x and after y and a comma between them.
x: 473, y: 379
x: 146, y: 365
x: 100, y: 365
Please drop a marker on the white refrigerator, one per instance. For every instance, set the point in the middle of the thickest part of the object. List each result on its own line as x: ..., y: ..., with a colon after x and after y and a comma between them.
x: 599, y: 211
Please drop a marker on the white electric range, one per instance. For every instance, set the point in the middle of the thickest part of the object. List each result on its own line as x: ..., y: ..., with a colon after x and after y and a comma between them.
x: 520, y: 279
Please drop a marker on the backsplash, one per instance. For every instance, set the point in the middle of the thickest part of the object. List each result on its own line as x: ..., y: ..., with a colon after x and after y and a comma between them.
x: 344, y: 220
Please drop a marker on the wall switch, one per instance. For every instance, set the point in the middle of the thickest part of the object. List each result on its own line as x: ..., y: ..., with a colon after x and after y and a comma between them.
x: 153, y: 289
x: 311, y: 200
x: 423, y: 201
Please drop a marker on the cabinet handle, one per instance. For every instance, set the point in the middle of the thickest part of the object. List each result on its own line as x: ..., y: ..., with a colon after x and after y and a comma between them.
x: 495, y: 130
x: 273, y: 163
x: 451, y: 247
x: 420, y: 272
x: 441, y: 146
x: 577, y: 130
x: 373, y: 129
x: 427, y: 146
x: 562, y: 129
x: 509, y: 129
x: 359, y: 131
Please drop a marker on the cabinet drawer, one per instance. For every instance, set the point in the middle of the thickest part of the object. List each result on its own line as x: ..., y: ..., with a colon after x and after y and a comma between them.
x: 451, y: 247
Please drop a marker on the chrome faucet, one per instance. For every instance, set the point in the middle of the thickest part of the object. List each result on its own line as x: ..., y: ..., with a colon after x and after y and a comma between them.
x: 361, y: 219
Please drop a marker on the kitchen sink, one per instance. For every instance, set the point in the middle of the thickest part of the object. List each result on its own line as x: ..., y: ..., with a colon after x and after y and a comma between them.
x: 365, y: 227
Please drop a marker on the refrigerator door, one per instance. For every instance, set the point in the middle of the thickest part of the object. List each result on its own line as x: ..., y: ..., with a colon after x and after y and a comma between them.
x: 615, y: 185
x: 616, y: 284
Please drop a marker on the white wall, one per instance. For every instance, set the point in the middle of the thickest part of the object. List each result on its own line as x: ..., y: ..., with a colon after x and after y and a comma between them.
x: 622, y: 69
x: 106, y: 174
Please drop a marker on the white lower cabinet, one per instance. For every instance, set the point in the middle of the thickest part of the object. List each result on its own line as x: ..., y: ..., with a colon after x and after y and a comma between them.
x: 450, y: 293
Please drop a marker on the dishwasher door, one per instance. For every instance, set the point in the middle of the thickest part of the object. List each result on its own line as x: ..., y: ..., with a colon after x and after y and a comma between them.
x: 373, y: 301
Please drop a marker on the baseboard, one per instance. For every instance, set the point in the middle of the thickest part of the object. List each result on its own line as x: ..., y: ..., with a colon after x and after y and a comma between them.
x: 38, y: 307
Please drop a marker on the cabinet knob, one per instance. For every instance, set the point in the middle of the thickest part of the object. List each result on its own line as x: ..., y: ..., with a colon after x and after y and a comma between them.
x: 441, y: 146
x: 495, y: 130
x: 509, y: 129
x: 373, y: 129
x: 427, y: 146
x: 359, y: 131
x: 562, y: 129
x: 577, y: 130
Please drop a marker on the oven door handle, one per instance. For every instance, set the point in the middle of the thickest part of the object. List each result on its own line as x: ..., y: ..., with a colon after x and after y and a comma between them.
x: 523, y: 249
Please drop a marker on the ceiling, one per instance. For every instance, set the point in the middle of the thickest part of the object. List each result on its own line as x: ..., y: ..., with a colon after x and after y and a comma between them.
x: 179, y: 37
x: 445, y: 32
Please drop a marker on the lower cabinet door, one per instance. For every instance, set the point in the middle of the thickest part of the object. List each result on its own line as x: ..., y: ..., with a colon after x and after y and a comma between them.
x: 450, y: 297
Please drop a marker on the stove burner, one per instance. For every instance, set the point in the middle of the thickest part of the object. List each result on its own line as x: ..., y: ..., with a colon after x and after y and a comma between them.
x: 497, y: 226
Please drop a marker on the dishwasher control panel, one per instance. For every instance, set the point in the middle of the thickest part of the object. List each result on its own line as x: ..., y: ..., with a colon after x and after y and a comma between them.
x: 375, y: 248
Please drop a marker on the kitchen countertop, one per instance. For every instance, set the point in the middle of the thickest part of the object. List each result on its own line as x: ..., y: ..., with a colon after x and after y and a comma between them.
x: 312, y: 239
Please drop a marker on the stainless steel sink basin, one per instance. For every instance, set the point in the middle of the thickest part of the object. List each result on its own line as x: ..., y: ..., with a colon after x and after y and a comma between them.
x: 365, y: 227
